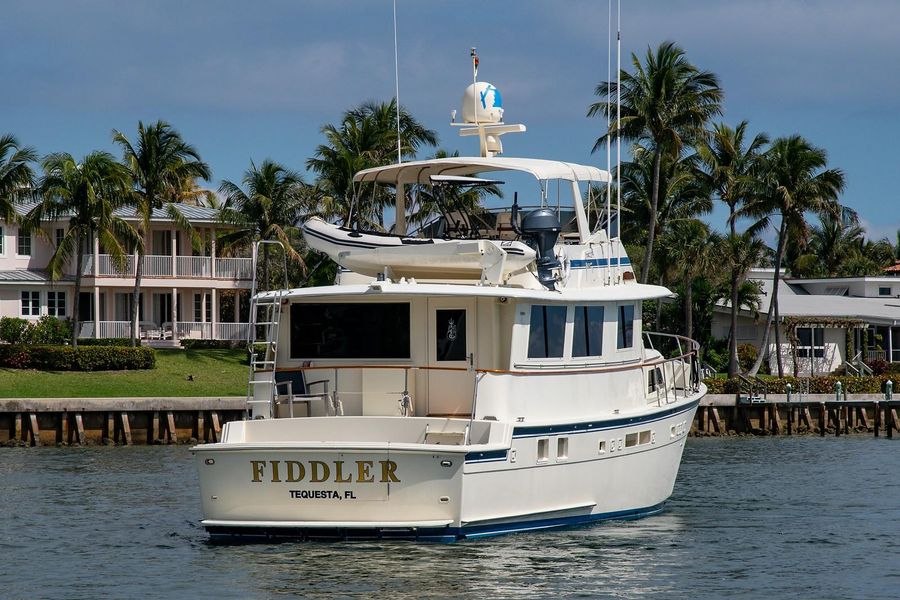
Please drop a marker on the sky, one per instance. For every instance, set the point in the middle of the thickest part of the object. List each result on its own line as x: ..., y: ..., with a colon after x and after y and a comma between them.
x: 247, y: 81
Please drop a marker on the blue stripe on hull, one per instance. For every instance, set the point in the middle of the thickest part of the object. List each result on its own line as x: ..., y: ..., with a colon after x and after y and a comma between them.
x: 539, y: 430
x: 432, y: 534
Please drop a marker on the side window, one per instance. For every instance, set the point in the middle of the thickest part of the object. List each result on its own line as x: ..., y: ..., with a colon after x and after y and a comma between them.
x: 626, y: 326
x: 547, y: 332
x: 587, y: 337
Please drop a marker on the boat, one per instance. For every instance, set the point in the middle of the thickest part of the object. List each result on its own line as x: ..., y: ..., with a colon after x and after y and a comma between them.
x: 486, y: 381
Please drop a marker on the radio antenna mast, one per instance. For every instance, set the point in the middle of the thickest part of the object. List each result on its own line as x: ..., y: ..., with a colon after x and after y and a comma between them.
x: 397, y: 85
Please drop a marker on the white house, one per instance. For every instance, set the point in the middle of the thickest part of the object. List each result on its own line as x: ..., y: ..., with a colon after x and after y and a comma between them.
x: 183, y: 294
x: 822, y: 311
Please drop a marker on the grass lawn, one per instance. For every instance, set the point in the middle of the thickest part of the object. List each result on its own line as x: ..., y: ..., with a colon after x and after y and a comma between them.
x: 215, y: 373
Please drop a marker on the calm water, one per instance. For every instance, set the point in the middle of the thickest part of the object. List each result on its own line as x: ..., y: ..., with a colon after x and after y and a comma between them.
x: 751, y: 517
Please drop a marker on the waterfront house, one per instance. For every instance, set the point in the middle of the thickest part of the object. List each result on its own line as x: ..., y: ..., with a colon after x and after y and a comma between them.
x: 825, y: 322
x: 184, y: 293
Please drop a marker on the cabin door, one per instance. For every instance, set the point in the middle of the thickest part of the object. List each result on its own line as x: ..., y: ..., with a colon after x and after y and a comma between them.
x: 451, y: 344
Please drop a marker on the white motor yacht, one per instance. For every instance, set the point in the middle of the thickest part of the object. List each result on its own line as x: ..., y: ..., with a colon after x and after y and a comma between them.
x: 490, y: 379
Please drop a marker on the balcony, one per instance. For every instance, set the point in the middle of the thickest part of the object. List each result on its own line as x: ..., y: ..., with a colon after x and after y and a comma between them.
x: 182, y: 267
x: 182, y: 330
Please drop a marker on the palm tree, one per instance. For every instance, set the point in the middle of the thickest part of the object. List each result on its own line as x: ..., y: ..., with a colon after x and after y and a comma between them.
x: 16, y: 176
x: 365, y: 138
x: 742, y: 252
x: 275, y: 200
x: 695, y: 251
x: 796, y: 182
x: 87, y: 193
x: 666, y: 103
x: 159, y: 164
x: 728, y: 170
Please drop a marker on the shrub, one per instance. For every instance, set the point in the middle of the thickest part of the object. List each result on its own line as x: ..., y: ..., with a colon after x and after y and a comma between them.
x: 817, y: 385
x: 68, y: 358
x: 13, y: 329
x: 878, y: 366
x: 212, y: 344
x: 49, y: 331
x: 105, y: 342
x: 746, y: 356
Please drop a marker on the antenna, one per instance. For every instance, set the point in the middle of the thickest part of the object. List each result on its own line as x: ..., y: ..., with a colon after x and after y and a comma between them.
x: 474, y: 54
x: 397, y: 84
x: 608, y: 120
x: 619, y: 135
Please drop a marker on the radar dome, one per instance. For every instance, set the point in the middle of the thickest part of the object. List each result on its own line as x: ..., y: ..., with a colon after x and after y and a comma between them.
x: 482, y: 103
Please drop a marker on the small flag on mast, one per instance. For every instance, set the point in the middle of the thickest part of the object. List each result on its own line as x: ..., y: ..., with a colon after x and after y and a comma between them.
x: 474, y: 56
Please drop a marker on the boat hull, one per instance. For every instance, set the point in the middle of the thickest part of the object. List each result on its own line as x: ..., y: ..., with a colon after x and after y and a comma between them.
x: 449, y: 493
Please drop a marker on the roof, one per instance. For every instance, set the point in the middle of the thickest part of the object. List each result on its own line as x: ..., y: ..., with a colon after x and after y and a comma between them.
x: 794, y: 301
x: 894, y: 268
x: 194, y: 214
x: 27, y: 276
x: 636, y: 291
x: 421, y: 171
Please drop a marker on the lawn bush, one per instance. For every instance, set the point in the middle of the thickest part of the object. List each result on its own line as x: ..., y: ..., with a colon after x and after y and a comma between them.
x: 49, y: 331
x: 46, y: 331
x: 879, y: 366
x: 746, y: 356
x: 13, y: 330
x: 212, y: 344
x: 105, y: 342
x: 68, y: 358
x: 817, y: 385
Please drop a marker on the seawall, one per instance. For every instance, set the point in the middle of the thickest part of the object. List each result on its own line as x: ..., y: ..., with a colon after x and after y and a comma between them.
x: 819, y: 414
x: 138, y: 420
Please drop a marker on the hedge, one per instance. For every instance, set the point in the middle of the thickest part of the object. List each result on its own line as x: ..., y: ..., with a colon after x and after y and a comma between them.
x: 212, y: 344
x: 817, y: 385
x: 106, y: 342
x: 82, y: 358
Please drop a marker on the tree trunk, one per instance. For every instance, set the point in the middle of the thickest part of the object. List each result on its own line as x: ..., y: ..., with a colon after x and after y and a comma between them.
x: 76, y: 305
x: 733, y: 363
x: 773, y: 302
x: 779, y: 254
x: 654, y: 203
x: 136, y: 296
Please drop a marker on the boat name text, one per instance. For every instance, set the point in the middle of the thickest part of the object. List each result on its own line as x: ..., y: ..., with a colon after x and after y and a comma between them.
x: 318, y: 471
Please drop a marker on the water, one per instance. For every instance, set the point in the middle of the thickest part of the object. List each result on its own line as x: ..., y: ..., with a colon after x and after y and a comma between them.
x: 750, y: 517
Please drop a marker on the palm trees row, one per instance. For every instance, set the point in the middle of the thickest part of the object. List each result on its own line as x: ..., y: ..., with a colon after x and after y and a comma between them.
x: 681, y: 162
x: 159, y: 169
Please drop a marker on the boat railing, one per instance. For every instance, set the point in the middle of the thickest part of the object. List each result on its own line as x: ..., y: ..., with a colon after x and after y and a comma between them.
x: 676, y: 373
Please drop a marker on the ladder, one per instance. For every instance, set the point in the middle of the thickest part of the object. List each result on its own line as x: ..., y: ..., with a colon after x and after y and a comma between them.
x: 262, y: 336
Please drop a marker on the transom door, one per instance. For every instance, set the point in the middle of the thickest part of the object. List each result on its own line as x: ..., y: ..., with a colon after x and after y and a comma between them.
x: 451, y: 344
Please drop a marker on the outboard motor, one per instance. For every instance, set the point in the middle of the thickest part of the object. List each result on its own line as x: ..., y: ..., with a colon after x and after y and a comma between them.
x: 540, y: 229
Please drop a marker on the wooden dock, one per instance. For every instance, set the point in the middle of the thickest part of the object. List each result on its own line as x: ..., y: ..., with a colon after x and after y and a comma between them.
x: 818, y: 414
x: 116, y: 421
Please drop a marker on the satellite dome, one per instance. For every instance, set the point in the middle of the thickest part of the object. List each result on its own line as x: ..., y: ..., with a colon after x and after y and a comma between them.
x: 482, y: 103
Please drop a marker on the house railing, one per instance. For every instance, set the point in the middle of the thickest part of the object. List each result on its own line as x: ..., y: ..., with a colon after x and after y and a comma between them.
x: 159, y: 265
x: 115, y: 329
x: 876, y: 355
x: 232, y: 331
x: 234, y: 268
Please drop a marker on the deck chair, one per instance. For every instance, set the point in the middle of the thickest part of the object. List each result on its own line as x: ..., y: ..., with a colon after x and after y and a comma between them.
x: 292, y: 388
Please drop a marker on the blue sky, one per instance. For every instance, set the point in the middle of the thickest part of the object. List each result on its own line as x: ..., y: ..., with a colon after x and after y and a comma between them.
x: 251, y: 80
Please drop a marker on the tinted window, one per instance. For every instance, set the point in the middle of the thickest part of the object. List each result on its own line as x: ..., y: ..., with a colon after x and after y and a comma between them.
x: 450, y: 334
x: 547, y: 332
x: 626, y: 326
x: 350, y: 330
x: 587, y: 337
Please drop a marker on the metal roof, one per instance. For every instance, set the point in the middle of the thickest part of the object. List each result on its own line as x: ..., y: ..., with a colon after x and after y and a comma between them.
x: 28, y: 276
x: 194, y: 214
x: 421, y: 171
